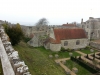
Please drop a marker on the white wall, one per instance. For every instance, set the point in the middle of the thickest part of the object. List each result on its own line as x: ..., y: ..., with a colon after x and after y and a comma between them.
x: 55, y: 47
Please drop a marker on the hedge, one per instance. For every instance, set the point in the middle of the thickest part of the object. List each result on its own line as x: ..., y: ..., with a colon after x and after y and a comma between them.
x: 85, y: 65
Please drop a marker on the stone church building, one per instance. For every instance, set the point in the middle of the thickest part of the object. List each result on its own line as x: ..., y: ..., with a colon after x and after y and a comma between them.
x: 72, y: 38
x: 92, y: 28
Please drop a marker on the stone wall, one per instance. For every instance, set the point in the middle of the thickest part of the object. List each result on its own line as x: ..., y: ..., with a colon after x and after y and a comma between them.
x: 72, y: 43
x: 92, y: 28
x: 47, y: 45
x: 52, y: 33
x: 95, y: 44
x: 55, y: 47
x: 11, y: 63
x: 37, y: 39
x: 6, y: 65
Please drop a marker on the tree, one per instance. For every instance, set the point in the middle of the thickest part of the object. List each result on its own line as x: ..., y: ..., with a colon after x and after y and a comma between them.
x: 15, y: 33
x: 42, y: 22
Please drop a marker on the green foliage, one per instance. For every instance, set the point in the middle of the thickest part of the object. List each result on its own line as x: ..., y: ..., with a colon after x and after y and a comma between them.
x: 26, y: 39
x: 5, y: 25
x: 88, y: 47
x: 85, y: 65
x: 15, y: 33
x: 63, y: 49
x: 69, y: 50
x: 81, y: 70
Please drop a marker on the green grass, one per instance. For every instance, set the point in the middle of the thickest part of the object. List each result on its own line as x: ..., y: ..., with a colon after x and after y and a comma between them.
x: 87, y: 51
x: 81, y: 71
x: 61, y: 54
x: 38, y: 61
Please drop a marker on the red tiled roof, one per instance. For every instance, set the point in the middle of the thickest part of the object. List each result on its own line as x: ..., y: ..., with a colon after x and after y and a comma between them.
x: 69, y: 25
x: 64, y: 34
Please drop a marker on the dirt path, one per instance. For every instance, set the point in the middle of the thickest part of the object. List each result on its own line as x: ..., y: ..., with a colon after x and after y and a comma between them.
x: 67, y: 70
x: 89, y: 55
x: 81, y: 53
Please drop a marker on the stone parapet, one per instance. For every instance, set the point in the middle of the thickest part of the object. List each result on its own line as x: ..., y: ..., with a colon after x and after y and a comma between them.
x: 11, y: 63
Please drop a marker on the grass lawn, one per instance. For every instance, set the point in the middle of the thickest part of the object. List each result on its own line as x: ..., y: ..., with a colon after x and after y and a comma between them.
x: 61, y: 54
x: 87, y: 51
x: 38, y: 61
x: 81, y: 71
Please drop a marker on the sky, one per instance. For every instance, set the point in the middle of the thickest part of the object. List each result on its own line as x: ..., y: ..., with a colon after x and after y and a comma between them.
x: 57, y: 12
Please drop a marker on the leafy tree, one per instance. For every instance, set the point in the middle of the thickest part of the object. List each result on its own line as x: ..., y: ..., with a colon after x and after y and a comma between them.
x: 15, y: 33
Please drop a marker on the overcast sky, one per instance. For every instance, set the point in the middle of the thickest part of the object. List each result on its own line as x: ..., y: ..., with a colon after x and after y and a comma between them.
x: 57, y: 12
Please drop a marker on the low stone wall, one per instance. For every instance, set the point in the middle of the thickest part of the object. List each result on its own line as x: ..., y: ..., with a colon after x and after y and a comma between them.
x: 11, y: 63
x: 6, y: 65
x: 95, y: 44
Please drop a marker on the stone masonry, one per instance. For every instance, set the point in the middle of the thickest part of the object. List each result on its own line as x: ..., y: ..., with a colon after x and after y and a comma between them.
x: 11, y: 63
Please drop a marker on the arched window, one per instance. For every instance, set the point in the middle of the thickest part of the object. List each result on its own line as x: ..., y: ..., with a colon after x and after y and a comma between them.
x: 65, y: 43
x: 77, y: 42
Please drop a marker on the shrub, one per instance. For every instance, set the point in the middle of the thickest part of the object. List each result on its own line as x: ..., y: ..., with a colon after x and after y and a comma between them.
x: 26, y: 39
x: 69, y: 50
x: 63, y: 49
x: 88, y: 47
x: 85, y: 65
x: 15, y: 33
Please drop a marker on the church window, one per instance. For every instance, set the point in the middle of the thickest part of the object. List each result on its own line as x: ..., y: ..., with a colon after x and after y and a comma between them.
x: 77, y: 42
x: 65, y: 43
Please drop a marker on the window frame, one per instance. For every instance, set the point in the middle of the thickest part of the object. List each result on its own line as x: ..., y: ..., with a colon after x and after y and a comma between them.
x: 65, y: 43
x: 78, y: 42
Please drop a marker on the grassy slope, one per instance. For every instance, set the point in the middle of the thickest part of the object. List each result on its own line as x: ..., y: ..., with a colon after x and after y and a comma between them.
x: 81, y: 71
x: 38, y: 61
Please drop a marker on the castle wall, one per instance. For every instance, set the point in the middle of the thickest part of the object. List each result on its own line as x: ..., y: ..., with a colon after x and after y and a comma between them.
x: 92, y: 28
x: 10, y: 57
x: 94, y: 44
x: 6, y: 65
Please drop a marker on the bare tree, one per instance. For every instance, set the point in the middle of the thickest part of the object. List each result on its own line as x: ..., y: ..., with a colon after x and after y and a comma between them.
x: 42, y: 22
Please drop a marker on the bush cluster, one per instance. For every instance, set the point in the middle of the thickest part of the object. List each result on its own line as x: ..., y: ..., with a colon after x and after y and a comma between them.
x: 14, y: 32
